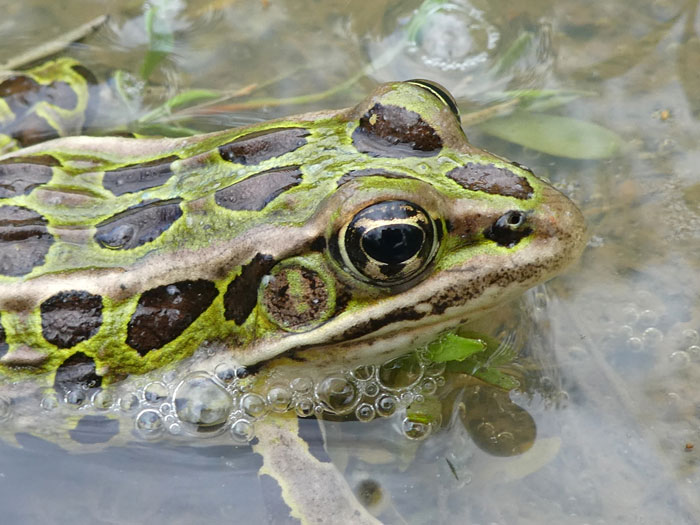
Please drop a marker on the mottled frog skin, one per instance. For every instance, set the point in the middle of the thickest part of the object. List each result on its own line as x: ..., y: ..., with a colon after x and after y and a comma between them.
x: 325, y: 237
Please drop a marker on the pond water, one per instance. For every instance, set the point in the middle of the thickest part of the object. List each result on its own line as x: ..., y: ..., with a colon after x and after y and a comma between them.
x: 608, y: 430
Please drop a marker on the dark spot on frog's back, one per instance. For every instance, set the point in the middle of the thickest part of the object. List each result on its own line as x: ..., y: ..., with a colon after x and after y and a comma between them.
x: 71, y: 317
x: 491, y: 179
x: 138, y: 225
x: 257, y: 191
x: 78, y: 372
x: 392, y: 131
x: 242, y: 293
x: 139, y: 176
x: 24, y: 240
x: 164, y: 312
x: 263, y: 145
x: 20, y: 175
x: 91, y: 430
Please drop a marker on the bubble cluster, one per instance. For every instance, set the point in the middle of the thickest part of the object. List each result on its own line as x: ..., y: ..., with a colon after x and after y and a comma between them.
x: 205, y: 404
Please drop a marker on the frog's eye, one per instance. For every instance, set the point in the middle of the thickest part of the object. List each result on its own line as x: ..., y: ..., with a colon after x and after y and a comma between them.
x: 389, y: 242
x: 509, y: 229
x: 439, y: 91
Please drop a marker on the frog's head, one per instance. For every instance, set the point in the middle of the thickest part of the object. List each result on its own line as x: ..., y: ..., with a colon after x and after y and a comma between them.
x: 422, y: 233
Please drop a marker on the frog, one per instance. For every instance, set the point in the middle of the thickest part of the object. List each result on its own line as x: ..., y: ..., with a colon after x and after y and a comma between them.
x: 233, y: 260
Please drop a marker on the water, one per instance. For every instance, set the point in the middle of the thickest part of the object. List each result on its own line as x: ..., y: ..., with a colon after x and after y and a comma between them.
x: 610, y: 430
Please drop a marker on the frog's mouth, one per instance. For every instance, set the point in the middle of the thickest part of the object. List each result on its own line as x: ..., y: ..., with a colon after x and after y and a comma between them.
x: 385, y: 332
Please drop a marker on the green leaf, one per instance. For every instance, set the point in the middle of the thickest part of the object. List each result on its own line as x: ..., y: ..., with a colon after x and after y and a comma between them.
x: 555, y: 135
x: 452, y: 347
x: 495, y: 377
x: 161, y: 41
x: 181, y: 100
x: 192, y: 97
x: 516, y: 50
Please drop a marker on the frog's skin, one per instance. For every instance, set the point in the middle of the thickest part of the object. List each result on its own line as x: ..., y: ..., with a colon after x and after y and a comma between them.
x: 315, y: 240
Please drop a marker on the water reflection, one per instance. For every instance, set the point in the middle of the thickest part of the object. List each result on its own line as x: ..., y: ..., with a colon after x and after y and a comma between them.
x: 622, y: 444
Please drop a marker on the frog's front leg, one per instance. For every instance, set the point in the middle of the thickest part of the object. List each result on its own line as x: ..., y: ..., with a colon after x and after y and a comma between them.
x: 313, y: 490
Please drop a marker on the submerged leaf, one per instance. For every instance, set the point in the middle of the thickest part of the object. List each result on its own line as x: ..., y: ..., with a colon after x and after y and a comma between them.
x: 555, y: 135
x: 161, y: 41
x: 453, y: 347
x: 192, y: 97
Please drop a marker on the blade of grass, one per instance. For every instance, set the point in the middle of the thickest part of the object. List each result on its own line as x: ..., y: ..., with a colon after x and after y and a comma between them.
x: 56, y: 45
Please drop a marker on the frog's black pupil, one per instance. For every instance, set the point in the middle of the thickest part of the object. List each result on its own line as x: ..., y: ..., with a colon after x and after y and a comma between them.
x: 392, y: 243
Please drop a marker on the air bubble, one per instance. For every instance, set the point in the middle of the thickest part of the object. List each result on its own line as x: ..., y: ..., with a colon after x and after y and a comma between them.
x: 128, y: 403
x: 175, y: 429
x: 155, y: 392
x: 304, y: 408
x: 225, y: 373
x: 690, y: 337
x: 428, y: 386
x: 279, y: 399
x: 648, y: 318
x: 337, y: 394
x: 102, y: 400
x: 169, y: 376
x: 630, y: 315
x: 679, y: 358
x: 634, y: 344
x: 49, y: 402
x: 254, y: 405
x: 302, y: 385
x: 371, y: 389
x: 625, y: 331
x: 364, y: 372
x: 242, y: 431
x: 364, y: 412
x: 386, y: 405
x: 201, y: 401
x: 403, y: 372
x: 562, y: 399
x: 415, y: 430
x: 694, y: 353
x: 434, y: 369
x: 149, y: 424
x: 75, y: 397
x: 652, y: 337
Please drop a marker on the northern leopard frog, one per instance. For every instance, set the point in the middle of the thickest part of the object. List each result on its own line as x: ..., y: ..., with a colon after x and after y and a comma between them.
x: 324, y: 239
